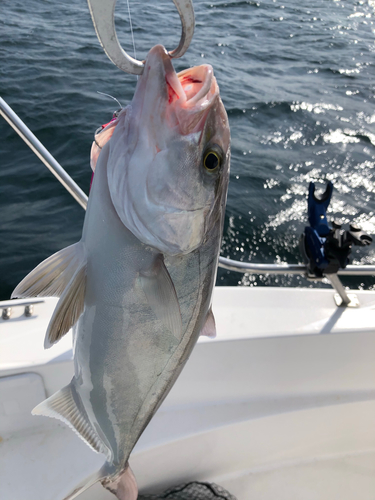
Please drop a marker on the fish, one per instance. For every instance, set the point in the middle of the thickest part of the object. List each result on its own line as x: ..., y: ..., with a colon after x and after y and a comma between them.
x: 137, y: 288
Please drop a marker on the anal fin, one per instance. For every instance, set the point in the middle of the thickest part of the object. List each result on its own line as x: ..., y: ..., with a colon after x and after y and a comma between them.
x: 65, y: 405
x: 209, y: 327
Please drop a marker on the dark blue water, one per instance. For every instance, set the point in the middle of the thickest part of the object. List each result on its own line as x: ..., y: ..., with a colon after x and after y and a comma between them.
x: 297, y: 79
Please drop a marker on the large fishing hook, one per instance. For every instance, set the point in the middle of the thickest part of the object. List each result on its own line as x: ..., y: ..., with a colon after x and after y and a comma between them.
x: 102, y: 13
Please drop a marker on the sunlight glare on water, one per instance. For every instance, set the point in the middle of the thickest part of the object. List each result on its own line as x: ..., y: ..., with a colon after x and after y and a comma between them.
x: 297, y: 80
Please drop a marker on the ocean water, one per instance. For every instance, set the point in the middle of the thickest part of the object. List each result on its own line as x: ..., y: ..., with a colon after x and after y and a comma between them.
x: 297, y: 80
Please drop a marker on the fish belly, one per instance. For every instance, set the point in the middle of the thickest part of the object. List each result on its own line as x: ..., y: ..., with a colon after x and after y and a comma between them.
x: 125, y: 358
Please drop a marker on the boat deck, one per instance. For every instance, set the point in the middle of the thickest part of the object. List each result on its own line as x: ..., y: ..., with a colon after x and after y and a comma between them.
x: 280, y: 405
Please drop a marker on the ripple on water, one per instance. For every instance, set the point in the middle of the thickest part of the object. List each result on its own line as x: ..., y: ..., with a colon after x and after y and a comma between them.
x: 296, y: 79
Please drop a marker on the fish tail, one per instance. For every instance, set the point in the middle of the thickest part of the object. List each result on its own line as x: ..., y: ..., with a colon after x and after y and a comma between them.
x: 88, y: 482
x: 123, y: 485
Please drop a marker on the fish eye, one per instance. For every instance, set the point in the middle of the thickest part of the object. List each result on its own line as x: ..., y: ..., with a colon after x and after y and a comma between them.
x: 211, y: 161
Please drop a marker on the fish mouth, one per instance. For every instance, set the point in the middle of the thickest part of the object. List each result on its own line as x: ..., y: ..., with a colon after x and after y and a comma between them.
x: 184, y: 98
x: 194, y: 88
x: 191, y: 94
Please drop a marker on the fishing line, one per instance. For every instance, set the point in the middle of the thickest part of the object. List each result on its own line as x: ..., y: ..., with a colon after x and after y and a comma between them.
x: 131, y: 30
x: 111, y: 96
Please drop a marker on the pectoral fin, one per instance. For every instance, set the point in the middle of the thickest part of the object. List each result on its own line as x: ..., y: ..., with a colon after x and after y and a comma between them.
x: 162, y: 297
x: 69, y: 308
x: 209, y: 328
x: 51, y: 277
x: 61, y: 275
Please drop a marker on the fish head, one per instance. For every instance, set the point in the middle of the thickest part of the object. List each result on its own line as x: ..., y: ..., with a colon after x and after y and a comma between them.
x: 168, y: 166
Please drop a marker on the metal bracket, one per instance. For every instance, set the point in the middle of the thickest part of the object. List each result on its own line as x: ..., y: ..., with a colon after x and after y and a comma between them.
x: 353, y: 300
x: 28, y: 304
x: 7, y: 311
x: 342, y: 298
x: 29, y: 309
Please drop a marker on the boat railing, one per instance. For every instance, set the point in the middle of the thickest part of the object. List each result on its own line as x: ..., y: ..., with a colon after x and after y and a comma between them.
x: 252, y: 268
x: 28, y: 304
x: 42, y: 153
x: 232, y: 265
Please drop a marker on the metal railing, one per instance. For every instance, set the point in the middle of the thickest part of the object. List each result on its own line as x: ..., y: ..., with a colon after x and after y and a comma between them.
x: 232, y: 265
x: 42, y: 153
x: 248, y: 267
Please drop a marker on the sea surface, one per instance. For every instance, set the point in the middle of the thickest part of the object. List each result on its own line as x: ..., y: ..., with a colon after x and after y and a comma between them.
x: 297, y: 79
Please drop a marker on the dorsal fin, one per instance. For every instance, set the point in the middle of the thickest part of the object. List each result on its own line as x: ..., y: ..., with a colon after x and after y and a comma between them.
x: 65, y: 405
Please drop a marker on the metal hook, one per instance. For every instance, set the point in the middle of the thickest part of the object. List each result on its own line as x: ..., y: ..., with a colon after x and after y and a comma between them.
x: 102, y: 13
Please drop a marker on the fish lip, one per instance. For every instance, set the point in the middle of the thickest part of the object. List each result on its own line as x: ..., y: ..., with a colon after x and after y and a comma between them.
x: 171, y: 79
x: 197, y: 102
x: 193, y: 103
x: 205, y: 94
x: 183, y: 100
x: 207, y: 83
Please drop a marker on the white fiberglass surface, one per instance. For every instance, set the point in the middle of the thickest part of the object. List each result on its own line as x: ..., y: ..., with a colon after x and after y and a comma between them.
x: 267, y: 312
x: 240, y: 312
x: 319, y: 454
x: 252, y: 410
x: 22, y: 338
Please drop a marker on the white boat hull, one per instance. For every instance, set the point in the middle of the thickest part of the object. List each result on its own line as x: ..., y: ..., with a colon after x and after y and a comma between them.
x: 280, y: 405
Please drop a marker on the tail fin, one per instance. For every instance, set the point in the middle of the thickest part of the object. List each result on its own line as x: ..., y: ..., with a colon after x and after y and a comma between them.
x: 124, y: 486
x: 88, y: 482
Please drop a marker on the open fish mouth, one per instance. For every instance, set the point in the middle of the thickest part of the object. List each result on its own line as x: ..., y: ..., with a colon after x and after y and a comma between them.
x: 192, y: 93
x: 194, y: 88
x: 184, y: 99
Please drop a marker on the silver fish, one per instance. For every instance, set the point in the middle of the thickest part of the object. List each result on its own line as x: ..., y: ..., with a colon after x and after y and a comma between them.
x: 137, y: 287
